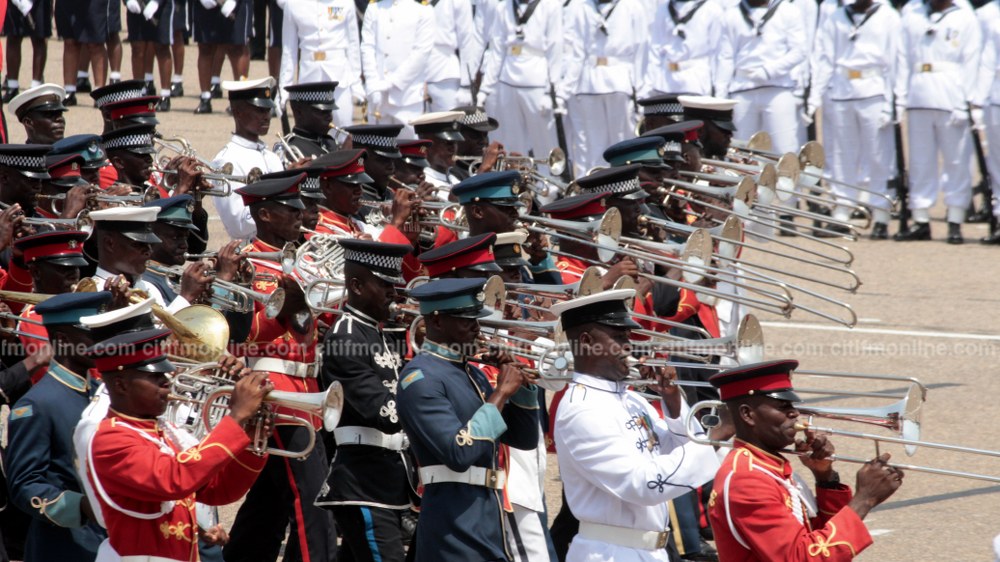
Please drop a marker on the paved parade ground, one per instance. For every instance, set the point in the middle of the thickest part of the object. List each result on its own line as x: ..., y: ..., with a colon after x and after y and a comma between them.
x: 926, y: 310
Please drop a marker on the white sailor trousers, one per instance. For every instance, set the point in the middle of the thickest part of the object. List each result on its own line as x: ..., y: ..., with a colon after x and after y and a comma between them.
x: 343, y: 116
x: 859, y: 155
x: 444, y: 94
x: 526, y: 120
x: 932, y: 138
x: 597, y: 122
x: 398, y: 114
x: 991, y: 120
x: 769, y: 109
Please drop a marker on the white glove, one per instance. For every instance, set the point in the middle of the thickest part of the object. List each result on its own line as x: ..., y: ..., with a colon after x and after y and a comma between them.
x: 357, y: 93
x: 806, y: 115
x: 23, y: 6
x: 977, y: 119
x: 463, y: 96
x: 884, y: 118
x: 209, y: 4
x: 958, y: 117
x: 133, y: 6
x: 560, y: 108
x: 150, y: 10
x: 900, y: 113
x: 757, y: 74
x: 228, y: 8
x: 481, y: 98
x: 374, y: 101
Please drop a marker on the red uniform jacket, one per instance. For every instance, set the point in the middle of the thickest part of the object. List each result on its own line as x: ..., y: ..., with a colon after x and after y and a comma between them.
x: 31, y: 345
x: 754, y: 516
x: 334, y: 223
x: 274, y: 337
x: 139, y: 470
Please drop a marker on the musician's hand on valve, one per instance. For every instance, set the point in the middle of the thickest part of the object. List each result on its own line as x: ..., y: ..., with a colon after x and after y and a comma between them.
x: 490, y: 155
x: 510, y: 378
x: 189, y: 174
x: 665, y: 387
x: 228, y: 261
x: 625, y: 267
x: 118, y: 189
x: 820, y: 450
x: 232, y: 368
x: 195, y: 281
x: 119, y: 288
x: 404, y: 202
x: 300, y: 163
x: 426, y: 191
x: 248, y: 395
x: 7, y: 225
x: 76, y: 200
x: 876, y: 482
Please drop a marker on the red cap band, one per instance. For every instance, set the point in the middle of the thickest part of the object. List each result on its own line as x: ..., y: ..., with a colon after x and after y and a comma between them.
x: 61, y: 248
x: 142, y: 354
x: 761, y: 384
x: 475, y: 256
x: 591, y: 209
x: 355, y: 167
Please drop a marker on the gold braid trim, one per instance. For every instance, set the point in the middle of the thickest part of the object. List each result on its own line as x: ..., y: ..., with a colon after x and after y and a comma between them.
x: 824, y: 544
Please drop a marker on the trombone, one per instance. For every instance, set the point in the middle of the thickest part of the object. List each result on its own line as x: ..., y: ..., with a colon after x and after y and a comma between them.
x: 20, y: 333
x: 95, y: 199
x: 327, y: 405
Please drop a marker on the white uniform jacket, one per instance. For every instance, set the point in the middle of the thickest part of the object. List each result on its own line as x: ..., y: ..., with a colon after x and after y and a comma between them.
x: 857, y: 56
x: 989, y: 68
x: 454, y: 31
x: 244, y: 155
x: 397, y: 37
x: 777, y: 46
x: 683, y: 41
x: 605, y: 47
x: 620, y: 463
x: 320, y: 42
x: 532, y: 58
x: 942, y: 58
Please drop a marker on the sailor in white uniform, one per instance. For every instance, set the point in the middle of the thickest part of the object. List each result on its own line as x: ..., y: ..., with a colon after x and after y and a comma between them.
x: 683, y: 42
x: 603, y: 59
x: 455, y: 58
x: 397, y: 37
x: 620, y: 462
x: 942, y: 44
x: 989, y: 82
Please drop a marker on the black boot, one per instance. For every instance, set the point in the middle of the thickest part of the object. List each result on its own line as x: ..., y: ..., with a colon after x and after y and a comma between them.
x: 83, y: 85
x: 177, y: 90
x: 216, y: 91
x: 70, y: 99
x: 10, y: 94
x: 164, y: 105
x: 880, y: 231
x: 916, y: 231
x: 786, y: 222
x: 204, y: 106
x: 994, y: 238
x: 955, y: 233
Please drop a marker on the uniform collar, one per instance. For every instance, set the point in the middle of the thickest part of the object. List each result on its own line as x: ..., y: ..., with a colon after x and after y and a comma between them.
x: 774, y: 463
x: 259, y: 244
x: 309, y: 136
x: 434, y: 174
x: 441, y: 351
x: 138, y: 423
x: 598, y: 383
x: 362, y: 317
x: 247, y: 143
x: 62, y: 374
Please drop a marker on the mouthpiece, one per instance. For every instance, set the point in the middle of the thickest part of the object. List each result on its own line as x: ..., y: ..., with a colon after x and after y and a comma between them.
x: 801, y: 426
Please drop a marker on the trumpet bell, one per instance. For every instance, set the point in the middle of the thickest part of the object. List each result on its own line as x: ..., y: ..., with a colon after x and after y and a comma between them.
x: 556, y: 161
x: 328, y: 405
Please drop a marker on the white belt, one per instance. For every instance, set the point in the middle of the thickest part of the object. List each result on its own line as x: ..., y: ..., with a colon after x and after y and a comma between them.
x: 356, y: 435
x: 520, y: 49
x: 323, y: 55
x: 290, y: 368
x: 680, y: 66
x: 475, y: 476
x: 859, y: 74
x: 608, y: 61
x: 623, y: 536
x: 937, y: 67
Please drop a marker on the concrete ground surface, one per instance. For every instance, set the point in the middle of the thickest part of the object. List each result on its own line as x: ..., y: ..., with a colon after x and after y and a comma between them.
x: 926, y: 310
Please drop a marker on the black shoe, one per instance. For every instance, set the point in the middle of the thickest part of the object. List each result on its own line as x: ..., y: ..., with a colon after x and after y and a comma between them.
x: 955, y: 233
x: 216, y: 91
x: 705, y: 554
x: 204, y: 106
x: 83, y: 85
x: 831, y: 230
x: 880, y: 231
x: 916, y: 231
x: 70, y: 99
x: 787, y: 229
x: 993, y: 239
x: 177, y: 90
x: 982, y: 215
x: 114, y: 80
x: 150, y: 88
x: 164, y: 105
x: 10, y: 94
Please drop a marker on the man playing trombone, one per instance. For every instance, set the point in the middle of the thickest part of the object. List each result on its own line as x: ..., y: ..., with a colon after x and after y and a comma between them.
x: 756, y: 510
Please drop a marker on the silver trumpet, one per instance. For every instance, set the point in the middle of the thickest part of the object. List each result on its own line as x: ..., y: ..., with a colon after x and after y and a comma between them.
x: 285, y: 256
x: 228, y: 295
x: 82, y: 222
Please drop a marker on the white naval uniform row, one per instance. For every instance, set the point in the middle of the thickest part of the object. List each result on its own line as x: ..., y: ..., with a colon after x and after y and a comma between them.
x: 244, y: 155
x: 942, y: 65
x: 455, y: 57
x: 522, y: 61
x: 320, y: 42
x: 397, y: 37
x: 620, y: 463
x: 756, y: 67
x: 856, y: 78
x: 683, y: 41
x: 603, y: 59
x: 989, y: 81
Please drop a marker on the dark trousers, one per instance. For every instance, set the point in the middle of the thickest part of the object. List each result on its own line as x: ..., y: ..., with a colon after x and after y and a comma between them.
x: 688, y: 522
x: 283, y: 496
x: 370, y: 534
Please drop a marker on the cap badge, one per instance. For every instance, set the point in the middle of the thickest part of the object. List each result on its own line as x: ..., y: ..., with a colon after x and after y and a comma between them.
x: 72, y: 244
x: 190, y: 207
x: 267, y: 92
x: 423, y: 150
x: 481, y: 296
x: 516, y: 248
x: 151, y: 106
x: 515, y: 189
x: 74, y: 166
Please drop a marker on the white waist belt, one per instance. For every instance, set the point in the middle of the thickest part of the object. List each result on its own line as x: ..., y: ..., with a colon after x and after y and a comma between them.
x: 937, y: 67
x: 680, y: 66
x: 290, y: 368
x: 522, y: 50
x: 357, y: 435
x: 607, y: 61
x: 623, y: 536
x: 475, y: 476
x: 858, y: 74
x: 323, y: 55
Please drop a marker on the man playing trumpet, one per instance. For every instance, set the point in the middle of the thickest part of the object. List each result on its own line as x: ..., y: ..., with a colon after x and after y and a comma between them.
x: 757, y: 510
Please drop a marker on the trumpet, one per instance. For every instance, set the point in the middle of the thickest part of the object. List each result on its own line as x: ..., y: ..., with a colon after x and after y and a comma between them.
x: 94, y: 200
x: 181, y: 147
x: 288, y: 153
x: 237, y: 298
x: 328, y: 406
x: 285, y: 256
x: 82, y: 222
x: 223, y: 176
